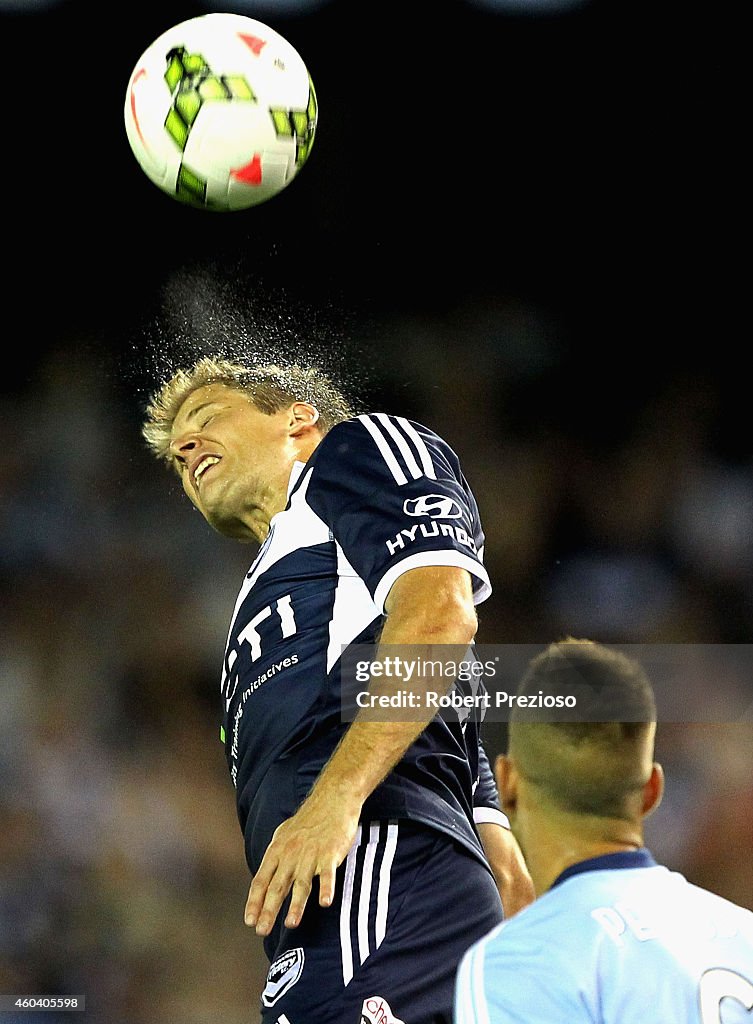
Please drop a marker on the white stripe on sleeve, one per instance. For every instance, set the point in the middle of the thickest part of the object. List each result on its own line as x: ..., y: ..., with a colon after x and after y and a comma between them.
x: 478, y: 995
x: 399, y: 439
x: 462, y: 1013
x: 384, y: 448
x: 423, y: 451
x: 470, y: 1000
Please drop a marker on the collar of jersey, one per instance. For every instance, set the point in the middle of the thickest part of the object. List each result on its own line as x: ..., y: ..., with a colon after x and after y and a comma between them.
x: 295, y: 476
x: 295, y: 473
x: 608, y: 862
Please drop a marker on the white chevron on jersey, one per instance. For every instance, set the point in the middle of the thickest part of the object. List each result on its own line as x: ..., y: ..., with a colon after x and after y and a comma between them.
x: 352, y: 611
x: 286, y: 534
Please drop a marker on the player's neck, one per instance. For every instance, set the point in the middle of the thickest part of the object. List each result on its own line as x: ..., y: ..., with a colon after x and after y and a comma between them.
x: 255, y: 520
x: 558, y: 849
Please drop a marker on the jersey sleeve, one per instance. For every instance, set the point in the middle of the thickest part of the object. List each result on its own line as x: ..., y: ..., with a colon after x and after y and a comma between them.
x: 394, y: 497
x: 486, y: 805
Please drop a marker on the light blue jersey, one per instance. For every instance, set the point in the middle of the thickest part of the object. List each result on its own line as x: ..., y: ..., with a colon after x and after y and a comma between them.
x: 616, y: 940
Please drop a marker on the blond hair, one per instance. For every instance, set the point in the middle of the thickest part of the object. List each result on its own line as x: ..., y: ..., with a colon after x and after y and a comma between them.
x: 270, y: 388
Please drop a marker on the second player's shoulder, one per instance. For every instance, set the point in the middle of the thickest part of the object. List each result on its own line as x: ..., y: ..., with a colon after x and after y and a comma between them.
x: 522, y: 955
x: 556, y: 913
x: 726, y: 917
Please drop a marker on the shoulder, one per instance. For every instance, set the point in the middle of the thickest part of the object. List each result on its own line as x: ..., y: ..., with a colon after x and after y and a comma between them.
x: 379, y: 443
x: 550, y: 923
x: 726, y: 914
x: 385, y: 444
x: 531, y: 952
x: 526, y: 929
x: 345, y: 437
x: 375, y: 429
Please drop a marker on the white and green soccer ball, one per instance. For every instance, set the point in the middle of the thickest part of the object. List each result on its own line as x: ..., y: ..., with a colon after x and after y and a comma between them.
x: 221, y: 112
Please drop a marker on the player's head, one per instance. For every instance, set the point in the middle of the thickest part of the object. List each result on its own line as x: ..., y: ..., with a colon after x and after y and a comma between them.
x: 232, y: 433
x: 270, y: 388
x: 592, y: 769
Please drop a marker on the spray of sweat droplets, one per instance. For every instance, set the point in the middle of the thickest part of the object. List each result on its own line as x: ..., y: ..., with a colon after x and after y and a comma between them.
x: 208, y: 312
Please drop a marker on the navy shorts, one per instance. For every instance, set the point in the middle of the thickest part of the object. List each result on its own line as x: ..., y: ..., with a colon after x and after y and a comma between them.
x: 409, y: 902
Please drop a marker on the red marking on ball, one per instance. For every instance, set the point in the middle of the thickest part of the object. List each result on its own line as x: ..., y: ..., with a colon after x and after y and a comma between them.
x: 254, y: 44
x: 250, y: 173
x: 141, y: 72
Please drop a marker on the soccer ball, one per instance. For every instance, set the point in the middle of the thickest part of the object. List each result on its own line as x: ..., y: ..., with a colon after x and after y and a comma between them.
x: 221, y: 112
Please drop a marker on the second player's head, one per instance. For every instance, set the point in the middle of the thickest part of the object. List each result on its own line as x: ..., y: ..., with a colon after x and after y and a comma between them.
x: 586, y: 770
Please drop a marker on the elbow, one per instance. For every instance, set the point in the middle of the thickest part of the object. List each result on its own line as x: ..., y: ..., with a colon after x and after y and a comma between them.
x: 445, y: 622
x: 459, y: 620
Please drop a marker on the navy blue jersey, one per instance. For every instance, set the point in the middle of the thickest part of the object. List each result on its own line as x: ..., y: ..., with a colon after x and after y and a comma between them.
x: 380, y: 495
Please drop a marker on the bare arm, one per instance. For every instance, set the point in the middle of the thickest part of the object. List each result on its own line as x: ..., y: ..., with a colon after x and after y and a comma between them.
x: 509, y: 867
x: 426, y: 605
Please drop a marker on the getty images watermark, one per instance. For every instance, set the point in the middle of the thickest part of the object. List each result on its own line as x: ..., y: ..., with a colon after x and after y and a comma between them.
x: 419, y: 673
x: 691, y: 682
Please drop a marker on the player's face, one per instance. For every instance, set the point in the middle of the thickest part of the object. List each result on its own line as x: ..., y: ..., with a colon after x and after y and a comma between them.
x: 234, y: 461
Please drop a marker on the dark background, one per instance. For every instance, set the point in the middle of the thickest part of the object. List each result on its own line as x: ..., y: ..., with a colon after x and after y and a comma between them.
x: 585, y: 161
x: 523, y: 230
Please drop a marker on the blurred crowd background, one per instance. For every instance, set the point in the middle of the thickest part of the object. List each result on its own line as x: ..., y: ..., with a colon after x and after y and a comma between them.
x: 121, y: 871
x: 557, y: 304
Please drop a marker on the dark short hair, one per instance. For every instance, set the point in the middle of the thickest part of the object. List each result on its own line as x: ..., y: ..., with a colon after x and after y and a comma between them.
x: 591, y: 758
x: 609, y: 686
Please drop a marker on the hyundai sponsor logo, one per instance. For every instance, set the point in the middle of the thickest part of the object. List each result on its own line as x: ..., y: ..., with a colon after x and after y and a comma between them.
x: 435, y: 506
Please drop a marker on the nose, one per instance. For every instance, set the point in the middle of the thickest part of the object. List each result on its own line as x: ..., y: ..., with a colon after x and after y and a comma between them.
x: 181, y: 447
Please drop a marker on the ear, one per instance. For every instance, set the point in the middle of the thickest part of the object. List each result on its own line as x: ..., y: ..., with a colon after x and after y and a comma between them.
x: 303, y: 416
x: 653, y: 790
x: 507, y: 783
